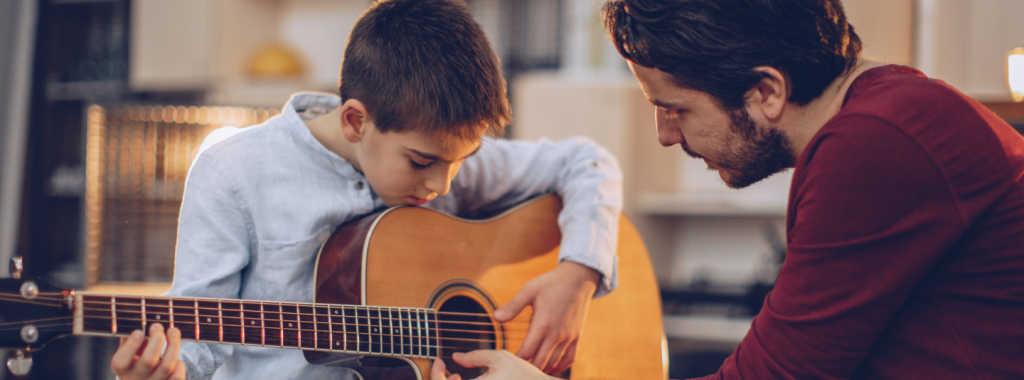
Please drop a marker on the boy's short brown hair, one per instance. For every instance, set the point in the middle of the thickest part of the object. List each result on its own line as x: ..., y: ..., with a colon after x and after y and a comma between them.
x: 426, y: 66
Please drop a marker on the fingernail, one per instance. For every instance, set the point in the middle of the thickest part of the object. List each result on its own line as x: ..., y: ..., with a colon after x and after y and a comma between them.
x: 457, y: 355
x: 136, y: 334
x: 500, y: 314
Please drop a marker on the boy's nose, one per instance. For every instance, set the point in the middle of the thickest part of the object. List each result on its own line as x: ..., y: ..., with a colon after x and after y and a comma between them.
x: 440, y: 181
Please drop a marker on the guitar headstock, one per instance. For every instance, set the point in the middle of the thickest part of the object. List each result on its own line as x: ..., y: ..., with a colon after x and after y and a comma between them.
x: 33, y: 313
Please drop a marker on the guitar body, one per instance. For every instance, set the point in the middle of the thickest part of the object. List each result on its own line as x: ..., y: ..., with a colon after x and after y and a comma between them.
x: 419, y: 258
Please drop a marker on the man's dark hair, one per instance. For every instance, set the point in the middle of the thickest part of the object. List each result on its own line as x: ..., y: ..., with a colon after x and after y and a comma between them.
x: 713, y: 45
x: 425, y: 65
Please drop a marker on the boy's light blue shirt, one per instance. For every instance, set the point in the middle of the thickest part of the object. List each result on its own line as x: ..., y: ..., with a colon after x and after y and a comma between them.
x: 258, y: 204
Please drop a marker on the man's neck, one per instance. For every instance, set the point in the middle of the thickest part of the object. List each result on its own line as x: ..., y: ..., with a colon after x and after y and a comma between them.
x: 803, y: 122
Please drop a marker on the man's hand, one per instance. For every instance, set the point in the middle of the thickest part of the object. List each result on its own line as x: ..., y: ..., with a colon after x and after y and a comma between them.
x: 140, y: 357
x: 559, y: 299
x: 501, y: 365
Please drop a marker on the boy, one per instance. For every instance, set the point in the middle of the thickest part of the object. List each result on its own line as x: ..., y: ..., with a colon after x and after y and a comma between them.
x: 419, y: 89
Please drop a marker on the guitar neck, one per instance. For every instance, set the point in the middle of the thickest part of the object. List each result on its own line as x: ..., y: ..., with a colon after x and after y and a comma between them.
x: 308, y: 326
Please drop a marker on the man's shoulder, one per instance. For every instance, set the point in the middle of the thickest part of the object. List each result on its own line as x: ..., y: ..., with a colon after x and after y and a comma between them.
x: 892, y: 89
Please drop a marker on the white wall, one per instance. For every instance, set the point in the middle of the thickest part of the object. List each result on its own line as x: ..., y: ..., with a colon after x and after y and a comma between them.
x: 965, y: 42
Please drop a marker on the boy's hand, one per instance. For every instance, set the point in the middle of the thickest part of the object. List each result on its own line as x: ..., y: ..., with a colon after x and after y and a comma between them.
x: 559, y: 299
x: 140, y: 357
x: 502, y: 365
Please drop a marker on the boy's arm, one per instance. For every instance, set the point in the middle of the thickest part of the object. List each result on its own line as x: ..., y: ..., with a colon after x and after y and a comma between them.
x: 212, y: 249
x: 588, y: 180
x: 583, y: 174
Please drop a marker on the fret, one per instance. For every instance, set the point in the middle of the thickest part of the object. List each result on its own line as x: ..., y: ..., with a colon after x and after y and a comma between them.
x: 401, y: 334
x: 220, y: 324
x: 182, y: 315
x: 155, y: 311
x: 290, y: 334
x: 113, y: 315
x: 96, y: 319
x: 373, y: 315
x: 280, y: 325
x: 425, y: 330
x: 263, y: 326
x: 271, y: 319
x: 360, y: 327
x: 143, y: 305
x: 307, y: 326
x: 129, y: 313
x: 231, y: 324
x: 196, y: 309
x: 408, y: 331
x: 251, y: 334
x: 209, y: 321
x: 426, y: 333
x: 344, y: 329
x: 419, y: 334
x: 322, y: 321
x: 434, y: 349
x: 408, y: 340
x: 330, y: 330
x: 391, y: 328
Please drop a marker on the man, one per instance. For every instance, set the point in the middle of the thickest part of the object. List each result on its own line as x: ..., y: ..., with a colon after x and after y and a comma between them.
x: 905, y: 227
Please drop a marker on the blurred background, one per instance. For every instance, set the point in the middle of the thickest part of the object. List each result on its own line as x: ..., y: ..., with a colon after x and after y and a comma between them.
x: 103, y: 104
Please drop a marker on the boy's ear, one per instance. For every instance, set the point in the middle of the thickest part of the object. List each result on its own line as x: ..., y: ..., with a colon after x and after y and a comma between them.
x: 355, y: 120
x: 769, y: 96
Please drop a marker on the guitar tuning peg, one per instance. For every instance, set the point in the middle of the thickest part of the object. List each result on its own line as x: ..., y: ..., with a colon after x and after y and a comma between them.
x: 20, y: 362
x: 17, y: 265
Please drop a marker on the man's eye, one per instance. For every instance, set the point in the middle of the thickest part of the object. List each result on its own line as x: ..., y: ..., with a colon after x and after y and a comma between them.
x: 419, y: 165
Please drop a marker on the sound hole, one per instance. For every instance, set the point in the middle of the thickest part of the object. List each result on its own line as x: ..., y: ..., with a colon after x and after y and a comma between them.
x: 465, y: 326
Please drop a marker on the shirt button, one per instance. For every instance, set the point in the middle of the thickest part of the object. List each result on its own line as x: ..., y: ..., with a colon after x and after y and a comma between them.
x: 360, y: 185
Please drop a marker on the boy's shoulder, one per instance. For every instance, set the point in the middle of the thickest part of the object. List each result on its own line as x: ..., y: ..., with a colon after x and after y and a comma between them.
x: 279, y: 136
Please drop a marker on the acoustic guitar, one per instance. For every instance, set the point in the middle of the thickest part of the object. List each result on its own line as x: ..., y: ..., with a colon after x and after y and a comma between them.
x: 397, y: 288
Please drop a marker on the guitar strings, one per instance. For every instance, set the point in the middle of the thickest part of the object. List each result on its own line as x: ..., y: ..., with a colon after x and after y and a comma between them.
x: 379, y: 317
x: 385, y: 340
x: 337, y: 327
x: 59, y: 297
x: 21, y: 299
x: 137, y: 308
x: 19, y: 324
x: 343, y: 324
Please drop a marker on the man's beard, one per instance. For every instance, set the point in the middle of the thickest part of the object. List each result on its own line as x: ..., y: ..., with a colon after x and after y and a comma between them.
x: 761, y: 152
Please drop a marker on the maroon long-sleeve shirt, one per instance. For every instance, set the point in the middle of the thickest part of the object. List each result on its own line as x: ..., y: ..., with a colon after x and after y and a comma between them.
x: 905, y: 235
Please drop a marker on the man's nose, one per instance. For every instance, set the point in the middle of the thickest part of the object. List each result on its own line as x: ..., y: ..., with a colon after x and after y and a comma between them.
x: 668, y: 132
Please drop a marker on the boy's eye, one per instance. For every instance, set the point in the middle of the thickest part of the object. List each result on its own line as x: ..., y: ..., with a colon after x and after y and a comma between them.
x: 418, y: 165
x: 673, y: 112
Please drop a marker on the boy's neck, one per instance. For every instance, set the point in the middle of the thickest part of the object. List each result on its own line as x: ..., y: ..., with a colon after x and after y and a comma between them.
x: 327, y: 130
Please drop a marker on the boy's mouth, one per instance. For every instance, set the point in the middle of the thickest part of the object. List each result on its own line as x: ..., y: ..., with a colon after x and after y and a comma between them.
x: 417, y: 201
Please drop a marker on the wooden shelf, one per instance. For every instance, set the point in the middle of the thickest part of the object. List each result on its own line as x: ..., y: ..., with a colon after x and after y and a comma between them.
x: 711, y: 203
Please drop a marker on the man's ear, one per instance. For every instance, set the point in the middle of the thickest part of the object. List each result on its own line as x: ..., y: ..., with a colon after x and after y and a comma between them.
x: 355, y: 120
x: 770, y: 94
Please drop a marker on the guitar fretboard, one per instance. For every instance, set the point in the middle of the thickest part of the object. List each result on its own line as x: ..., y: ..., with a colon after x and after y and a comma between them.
x: 308, y: 326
